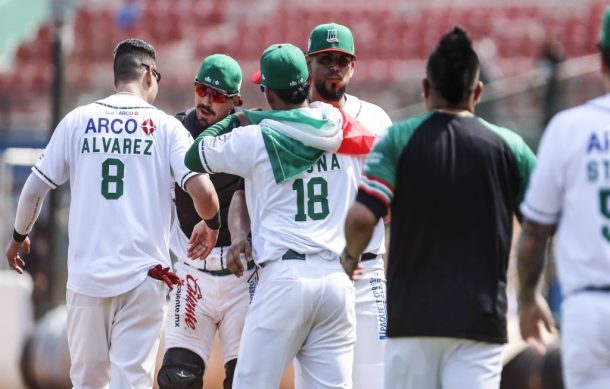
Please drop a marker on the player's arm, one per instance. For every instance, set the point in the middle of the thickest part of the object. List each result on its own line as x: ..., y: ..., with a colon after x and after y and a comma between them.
x: 204, y: 196
x: 29, y: 206
x: 224, y: 126
x: 534, y: 309
x: 239, y: 228
x: 359, y: 225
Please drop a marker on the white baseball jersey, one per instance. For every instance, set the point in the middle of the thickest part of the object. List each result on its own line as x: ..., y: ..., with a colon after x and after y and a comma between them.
x: 571, y: 186
x: 120, y: 154
x: 377, y: 121
x: 295, y: 214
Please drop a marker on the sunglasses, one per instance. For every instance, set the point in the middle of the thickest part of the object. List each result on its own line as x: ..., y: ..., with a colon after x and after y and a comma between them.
x: 215, y: 96
x: 155, y: 73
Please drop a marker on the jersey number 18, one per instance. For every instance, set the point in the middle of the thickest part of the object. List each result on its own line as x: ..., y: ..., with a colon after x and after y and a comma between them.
x: 317, y: 193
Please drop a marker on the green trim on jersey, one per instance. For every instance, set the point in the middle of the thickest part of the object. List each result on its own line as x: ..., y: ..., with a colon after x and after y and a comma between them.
x: 288, y: 156
x: 379, y: 177
x: 116, y: 107
x: 221, y: 127
x: 524, y: 157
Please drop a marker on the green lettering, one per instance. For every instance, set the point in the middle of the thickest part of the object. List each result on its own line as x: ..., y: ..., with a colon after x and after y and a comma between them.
x: 116, y: 147
x: 85, y: 148
x: 127, y: 146
x: 136, y: 145
x: 149, y: 144
x: 106, y: 144
x: 95, y: 148
x: 592, y: 171
x: 334, y: 164
x: 322, y: 164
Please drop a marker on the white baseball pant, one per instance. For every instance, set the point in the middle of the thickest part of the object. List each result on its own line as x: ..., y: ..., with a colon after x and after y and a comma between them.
x: 447, y: 363
x: 303, y: 309
x: 113, y: 341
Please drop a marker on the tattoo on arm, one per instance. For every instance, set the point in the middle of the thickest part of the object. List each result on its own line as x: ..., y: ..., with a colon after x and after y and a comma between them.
x: 531, y: 257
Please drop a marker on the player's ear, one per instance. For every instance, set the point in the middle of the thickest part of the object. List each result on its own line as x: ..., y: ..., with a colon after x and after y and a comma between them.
x: 478, y: 90
x: 352, y: 67
x: 426, y: 87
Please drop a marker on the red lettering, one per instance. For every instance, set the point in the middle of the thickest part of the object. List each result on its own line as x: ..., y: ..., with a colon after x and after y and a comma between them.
x: 193, y: 294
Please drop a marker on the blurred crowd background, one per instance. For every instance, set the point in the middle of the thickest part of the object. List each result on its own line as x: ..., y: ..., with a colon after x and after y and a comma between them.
x: 538, y: 57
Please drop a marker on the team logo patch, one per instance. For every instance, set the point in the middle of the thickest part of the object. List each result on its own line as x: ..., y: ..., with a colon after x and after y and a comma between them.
x: 332, y: 36
x: 148, y: 127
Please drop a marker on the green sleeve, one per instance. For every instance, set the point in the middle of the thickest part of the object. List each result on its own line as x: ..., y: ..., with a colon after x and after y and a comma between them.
x: 524, y: 157
x: 226, y: 125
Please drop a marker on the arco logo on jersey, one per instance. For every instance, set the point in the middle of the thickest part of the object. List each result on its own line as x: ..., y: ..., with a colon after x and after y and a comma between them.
x: 148, y: 126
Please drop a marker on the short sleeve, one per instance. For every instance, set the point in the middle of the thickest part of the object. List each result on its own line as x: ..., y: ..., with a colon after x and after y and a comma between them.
x: 232, y: 153
x: 379, y: 174
x: 181, y: 140
x: 543, y: 198
x: 52, y: 167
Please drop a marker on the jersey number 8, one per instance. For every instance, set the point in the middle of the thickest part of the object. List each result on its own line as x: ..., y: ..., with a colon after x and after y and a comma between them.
x: 112, y: 179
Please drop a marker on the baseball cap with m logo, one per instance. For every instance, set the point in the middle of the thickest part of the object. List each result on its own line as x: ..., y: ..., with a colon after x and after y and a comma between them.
x: 331, y: 37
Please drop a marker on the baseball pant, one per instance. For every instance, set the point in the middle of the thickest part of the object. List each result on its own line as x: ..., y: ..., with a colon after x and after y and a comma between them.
x: 113, y: 341
x: 205, y: 304
x: 303, y: 309
x: 585, y: 340
x: 447, y: 363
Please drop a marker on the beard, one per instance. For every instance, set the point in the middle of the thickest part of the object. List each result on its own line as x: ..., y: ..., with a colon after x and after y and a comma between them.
x: 334, y: 94
x: 205, y: 122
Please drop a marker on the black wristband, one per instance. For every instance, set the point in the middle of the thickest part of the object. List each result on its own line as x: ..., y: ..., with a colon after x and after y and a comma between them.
x: 17, y: 237
x: 214, y: 222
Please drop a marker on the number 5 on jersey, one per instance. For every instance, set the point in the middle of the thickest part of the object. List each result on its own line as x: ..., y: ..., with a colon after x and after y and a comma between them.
x: 113, y: 171
x: 317, y: 193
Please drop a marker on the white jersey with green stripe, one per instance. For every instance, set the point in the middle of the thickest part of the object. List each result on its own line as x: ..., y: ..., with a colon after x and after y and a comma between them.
x: 571, y: 187
x: 120, y: 155
x: 376, y: 120
x: 304, y: 213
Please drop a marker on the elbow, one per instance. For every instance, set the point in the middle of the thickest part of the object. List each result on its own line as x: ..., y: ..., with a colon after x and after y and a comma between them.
x: 191, y: 159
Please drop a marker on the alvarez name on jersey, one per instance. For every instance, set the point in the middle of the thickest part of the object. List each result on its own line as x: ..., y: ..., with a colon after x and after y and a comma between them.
x: 120, y: 154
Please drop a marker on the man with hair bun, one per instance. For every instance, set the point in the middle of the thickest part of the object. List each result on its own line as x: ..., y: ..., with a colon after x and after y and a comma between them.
x: 453, y: 183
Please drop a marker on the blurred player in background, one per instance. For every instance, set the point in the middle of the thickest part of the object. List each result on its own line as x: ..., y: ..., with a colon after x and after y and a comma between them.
x: 569, y: 192
x: 331, y: 58
x: 295, y: 187
x: 453, y: 182
x: 121, y: 155
x: 210, y: 298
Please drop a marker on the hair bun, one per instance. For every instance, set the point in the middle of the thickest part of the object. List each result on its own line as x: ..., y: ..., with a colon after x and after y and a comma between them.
x: 456, y: 41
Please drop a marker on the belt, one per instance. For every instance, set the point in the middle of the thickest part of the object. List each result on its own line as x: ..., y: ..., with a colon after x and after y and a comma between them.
x: 605, y: 289
x: 291, y: 254
x: 225, y: 272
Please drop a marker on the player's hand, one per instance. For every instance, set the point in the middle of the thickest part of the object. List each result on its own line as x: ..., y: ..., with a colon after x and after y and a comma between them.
x: 12, y: 254
x: 531, y: 316
x: 234, y: 263
x: 203, y: 239
x: 351, y: 265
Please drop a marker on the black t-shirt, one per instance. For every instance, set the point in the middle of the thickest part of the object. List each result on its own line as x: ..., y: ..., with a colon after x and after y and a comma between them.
x: 456, y: 184
x: 225, y: 185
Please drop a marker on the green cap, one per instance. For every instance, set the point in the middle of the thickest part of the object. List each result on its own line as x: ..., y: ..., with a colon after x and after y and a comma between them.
x: 604, y: 40
x: 331, y: 37
x: 283, y: 66
x: 221, y: 72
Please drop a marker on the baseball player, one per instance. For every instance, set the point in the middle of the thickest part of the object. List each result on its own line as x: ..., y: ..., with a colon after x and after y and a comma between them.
x: 210, y: 298
x: 453, y: 182
x: 295, y: 186
x: 121, y: 154
x: 331, y: 58
x: 569, y: 194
